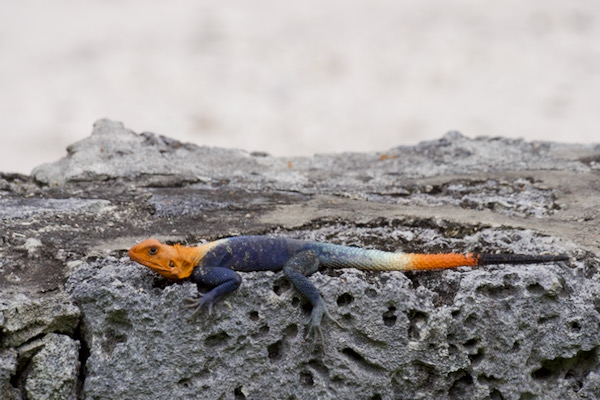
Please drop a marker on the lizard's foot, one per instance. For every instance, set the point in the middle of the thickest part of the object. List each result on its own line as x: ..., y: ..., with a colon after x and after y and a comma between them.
x: 314, y: 329
x: 198, y: 304
x: 312, y: 332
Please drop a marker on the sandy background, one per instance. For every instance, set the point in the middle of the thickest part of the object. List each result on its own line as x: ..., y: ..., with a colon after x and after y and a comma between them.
x: 296, y: 78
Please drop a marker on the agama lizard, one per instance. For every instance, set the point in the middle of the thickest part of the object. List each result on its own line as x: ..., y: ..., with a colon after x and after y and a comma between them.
x: 214, y: 264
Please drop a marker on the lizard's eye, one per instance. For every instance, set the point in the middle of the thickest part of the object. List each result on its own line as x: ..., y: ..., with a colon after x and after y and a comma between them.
x: 171, y: 264
x: 153, y: 251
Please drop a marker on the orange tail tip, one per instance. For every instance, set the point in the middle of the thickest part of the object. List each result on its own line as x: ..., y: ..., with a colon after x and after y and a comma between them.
x: 453, y: 260
x: 439, y: 261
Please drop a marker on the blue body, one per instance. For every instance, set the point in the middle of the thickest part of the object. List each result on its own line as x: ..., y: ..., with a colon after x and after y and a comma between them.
x: 262, y: 253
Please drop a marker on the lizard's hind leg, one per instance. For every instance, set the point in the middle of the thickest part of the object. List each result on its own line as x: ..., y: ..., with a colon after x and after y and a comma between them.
x: 297, y: 269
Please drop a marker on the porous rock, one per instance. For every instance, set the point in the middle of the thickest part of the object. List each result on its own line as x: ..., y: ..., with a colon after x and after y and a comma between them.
x: 25, y: 317
x: 499, y: 332
x: 54, y: 369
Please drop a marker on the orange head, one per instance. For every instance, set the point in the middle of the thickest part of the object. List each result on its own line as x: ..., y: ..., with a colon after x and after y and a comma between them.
x: 173, y: 262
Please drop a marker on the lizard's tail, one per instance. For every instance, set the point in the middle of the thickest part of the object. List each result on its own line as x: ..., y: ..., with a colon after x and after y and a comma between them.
x: 335, y: 256
x: 453, y: 260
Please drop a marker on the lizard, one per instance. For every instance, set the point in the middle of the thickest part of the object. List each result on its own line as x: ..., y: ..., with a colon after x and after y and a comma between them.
x: 216, y: 265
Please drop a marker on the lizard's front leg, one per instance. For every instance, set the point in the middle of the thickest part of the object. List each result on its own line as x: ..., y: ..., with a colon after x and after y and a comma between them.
x: 296, y: 270
x: 221, y: 281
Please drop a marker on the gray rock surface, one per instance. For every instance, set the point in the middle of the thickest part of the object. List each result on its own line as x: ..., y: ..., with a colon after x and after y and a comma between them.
x: 8, y: 369
x: 500, y: 332
x: 26, y: 317
x: 54, y: 369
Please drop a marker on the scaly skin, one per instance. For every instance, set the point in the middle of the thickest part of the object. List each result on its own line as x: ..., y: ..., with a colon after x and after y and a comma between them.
x: 214, y: 264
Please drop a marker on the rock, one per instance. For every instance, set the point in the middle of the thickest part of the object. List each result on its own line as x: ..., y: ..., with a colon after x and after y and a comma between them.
x: 25, y: 316
x: 54, y: 369
x: 8, y: 369
x: 500, y: 332
x: 115, y: 152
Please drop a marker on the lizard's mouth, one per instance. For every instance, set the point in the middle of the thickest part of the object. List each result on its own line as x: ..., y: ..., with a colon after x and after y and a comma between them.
x: 131, y: 254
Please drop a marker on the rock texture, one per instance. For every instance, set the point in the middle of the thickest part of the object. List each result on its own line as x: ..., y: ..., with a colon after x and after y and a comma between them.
x: 79, y: 320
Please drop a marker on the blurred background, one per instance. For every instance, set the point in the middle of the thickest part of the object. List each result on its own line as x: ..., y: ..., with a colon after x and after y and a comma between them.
x: 296, y: 78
